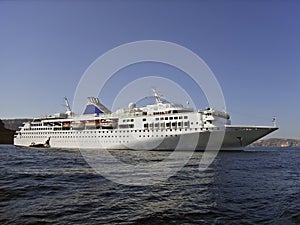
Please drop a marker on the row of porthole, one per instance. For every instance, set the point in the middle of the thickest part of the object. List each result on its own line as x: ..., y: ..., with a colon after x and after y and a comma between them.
x: 33, y: 128
x: 26, y: 136
x: 168, y: 118
x: 37, y: 133
x: 124, y: 131
x: 158, y: 135
x: 105, y: 141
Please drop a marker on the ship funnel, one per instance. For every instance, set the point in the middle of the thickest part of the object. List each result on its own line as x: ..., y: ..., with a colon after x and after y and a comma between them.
x: 95, y: 107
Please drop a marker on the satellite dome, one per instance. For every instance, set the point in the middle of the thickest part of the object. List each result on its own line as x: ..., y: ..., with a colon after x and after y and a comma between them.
x: 131, y: 105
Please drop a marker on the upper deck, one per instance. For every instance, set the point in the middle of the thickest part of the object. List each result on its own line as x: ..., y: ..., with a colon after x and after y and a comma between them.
x: 159, y: 114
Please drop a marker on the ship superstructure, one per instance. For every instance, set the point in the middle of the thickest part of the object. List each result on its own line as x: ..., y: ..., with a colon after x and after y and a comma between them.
x: 156, y: 126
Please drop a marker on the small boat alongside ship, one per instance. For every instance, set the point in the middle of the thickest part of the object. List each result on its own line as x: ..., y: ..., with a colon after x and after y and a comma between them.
x: 41, y: 145
x: 160, y: 125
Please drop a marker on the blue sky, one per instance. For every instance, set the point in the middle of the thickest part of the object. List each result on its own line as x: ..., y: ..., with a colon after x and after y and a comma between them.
x: 253, y: 48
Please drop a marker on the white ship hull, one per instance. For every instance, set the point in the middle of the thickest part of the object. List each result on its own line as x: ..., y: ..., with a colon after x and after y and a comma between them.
x: 235, y: 138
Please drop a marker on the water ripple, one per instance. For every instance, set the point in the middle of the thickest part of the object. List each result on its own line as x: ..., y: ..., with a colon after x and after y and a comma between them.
x: 39, y: 186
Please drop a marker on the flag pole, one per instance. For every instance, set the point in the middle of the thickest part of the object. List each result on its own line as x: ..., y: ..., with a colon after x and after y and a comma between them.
x: 274, y: 121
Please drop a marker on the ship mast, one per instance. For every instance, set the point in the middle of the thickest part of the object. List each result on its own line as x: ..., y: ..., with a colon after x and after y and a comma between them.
x: 68, y: 111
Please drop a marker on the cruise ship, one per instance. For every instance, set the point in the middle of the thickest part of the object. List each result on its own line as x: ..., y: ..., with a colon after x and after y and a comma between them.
x: 159, y: 125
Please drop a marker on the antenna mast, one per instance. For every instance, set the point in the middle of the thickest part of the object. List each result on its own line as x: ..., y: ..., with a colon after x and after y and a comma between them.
x: 157, y: 96
x: 69, y: 111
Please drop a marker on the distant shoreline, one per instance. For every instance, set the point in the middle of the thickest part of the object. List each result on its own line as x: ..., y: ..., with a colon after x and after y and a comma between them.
x: 277, y: 142
x: 6, y: 135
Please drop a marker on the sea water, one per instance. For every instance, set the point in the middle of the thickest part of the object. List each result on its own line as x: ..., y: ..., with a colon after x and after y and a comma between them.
x: 46, y: 186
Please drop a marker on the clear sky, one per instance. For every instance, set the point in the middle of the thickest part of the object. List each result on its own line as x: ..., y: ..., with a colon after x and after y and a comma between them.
x: 253, y: 48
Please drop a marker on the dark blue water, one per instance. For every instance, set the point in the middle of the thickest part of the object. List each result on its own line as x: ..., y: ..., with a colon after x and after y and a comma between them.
x: 41, y: 186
